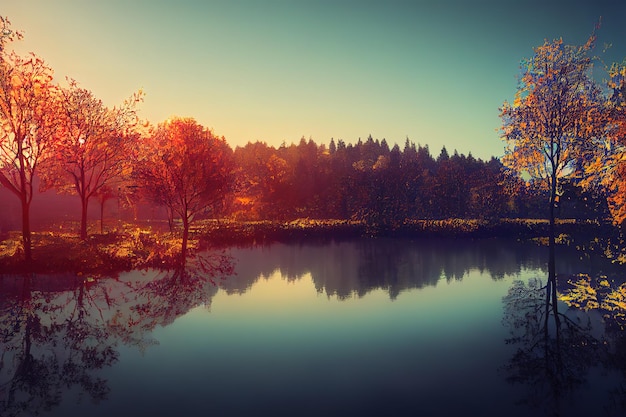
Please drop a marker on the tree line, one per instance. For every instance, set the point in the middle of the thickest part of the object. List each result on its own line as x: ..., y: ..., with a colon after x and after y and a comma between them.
x: 66, y: 137
x: 370, y: 181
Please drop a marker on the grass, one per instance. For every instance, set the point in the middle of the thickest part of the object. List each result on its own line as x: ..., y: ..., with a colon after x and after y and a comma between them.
x: 261, y: 231
x: 112, y: 252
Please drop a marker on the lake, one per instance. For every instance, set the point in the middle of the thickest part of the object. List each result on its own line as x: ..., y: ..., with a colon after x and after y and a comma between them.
x: 381, y: 327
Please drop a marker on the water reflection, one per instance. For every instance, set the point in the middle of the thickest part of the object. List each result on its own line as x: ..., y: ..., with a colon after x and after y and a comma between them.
x: 59, y: 332
x: 605, y: 297
x: 558, y: 348
x: 354, y: 268
x: 162, y: 299
x: 52, y: 341
x: 62, y: 336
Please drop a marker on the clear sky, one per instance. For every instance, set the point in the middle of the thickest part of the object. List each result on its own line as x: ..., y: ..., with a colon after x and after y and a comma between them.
x: 277, y: 70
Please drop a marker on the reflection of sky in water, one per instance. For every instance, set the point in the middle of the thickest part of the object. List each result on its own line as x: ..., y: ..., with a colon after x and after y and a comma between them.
x: 324, y: 330
x: 281, y: 345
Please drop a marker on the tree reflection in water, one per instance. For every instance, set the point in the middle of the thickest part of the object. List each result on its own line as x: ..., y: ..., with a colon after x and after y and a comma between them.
x: 345, y: 269
x: 604, y: 297
x: 557, y: 350
x: 175, y: 292
x: 59, y: 332
x: 51, y: 340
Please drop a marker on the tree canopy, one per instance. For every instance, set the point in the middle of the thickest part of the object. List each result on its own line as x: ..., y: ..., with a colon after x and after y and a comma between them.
x: 96, y: 149
x: 558, y: 111
x: 184, y: 167
x: 28, y: 127
x: 605, y: 162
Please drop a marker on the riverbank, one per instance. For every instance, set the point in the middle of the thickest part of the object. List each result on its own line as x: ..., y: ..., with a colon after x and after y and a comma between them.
x: 129, y: 247
x: 150, y: 245
x: 236, y: 233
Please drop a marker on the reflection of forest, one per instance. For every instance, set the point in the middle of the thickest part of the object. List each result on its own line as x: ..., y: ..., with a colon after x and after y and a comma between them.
x: 356, y: 267
x: 58, y: 332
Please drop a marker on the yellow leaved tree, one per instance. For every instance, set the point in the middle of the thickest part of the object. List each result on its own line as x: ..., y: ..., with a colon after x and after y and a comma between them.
x: 606, y: 163
x: 558, y: 113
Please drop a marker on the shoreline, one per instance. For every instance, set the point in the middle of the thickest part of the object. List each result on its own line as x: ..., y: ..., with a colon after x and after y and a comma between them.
x: 147, y: 245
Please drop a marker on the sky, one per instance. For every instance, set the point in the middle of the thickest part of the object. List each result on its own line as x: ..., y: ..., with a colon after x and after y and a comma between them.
x: 275, y: 71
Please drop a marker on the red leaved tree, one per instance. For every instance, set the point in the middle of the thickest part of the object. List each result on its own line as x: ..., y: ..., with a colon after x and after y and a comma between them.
x: 97, y: 148
x: 28, y: 105
x: 186, y: 168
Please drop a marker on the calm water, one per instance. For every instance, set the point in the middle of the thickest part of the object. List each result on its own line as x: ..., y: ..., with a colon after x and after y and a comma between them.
x: 366, y: 327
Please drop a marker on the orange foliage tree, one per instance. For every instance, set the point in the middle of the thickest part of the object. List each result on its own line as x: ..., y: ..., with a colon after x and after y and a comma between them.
x: 606, y: 162
x: 28, y: 127
x: 97, y: 148
x: 558, y: 111
x: 186, y: 168
x: 6, y: 34
x: 262, y: 175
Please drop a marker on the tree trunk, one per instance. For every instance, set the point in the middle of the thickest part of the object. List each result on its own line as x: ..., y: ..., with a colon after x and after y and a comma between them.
x: 83, y: 218
x: 551, y: 293
x: 102, y: 216
x: 26, y: 236
x: 170, y: 219
x: 183, y: 251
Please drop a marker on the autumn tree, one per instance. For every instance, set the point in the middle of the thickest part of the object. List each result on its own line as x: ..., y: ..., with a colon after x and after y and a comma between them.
x: 557, y: 111
x: 261, y: 176
x: 27, y: 127
x: 605, y: 163
x: 186, y: 168
x: 6, y: 33
x: 490, y: 196
x: 106, y: 193
x: 96, y: 149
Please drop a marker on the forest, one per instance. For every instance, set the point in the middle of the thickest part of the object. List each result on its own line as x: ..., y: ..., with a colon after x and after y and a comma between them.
x: 368, y: 181
x: 563, y: 138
